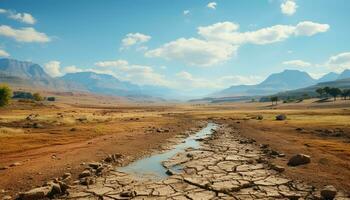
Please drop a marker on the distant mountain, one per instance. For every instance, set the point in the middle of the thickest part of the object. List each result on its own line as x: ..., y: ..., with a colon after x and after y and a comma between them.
x: 102, y: 84
x: 311, y: 90
x: 28, y: 74
x: 345, y: 74
x: 331, y: 76
x: 286, y: 80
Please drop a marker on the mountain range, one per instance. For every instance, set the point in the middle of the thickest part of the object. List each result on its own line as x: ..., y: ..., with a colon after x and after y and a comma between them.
x: 277, y: 82
x: 28, y: 74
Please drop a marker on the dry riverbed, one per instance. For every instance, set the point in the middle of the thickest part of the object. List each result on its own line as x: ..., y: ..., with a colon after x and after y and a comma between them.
x: 226, y: 166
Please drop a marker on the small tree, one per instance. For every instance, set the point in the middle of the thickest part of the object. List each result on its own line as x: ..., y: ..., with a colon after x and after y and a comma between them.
x: 346, y: 93
x: 274, y: 99
x: 5, y: 95
x: 320, y: 91
x: 37, y: 97
x: 334, y: 92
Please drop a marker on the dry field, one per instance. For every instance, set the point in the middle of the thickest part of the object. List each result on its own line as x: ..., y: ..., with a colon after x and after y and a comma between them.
x: 42, y: 141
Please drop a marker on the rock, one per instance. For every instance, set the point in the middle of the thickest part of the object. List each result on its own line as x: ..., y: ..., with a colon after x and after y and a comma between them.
x: 85, y: 173
x: 87, y: 181
x: 94, y: 165
x: 3, y: 168
x: 128, y: 193
x: 73, y: 129
x: 299, y: 159
x: 36, y: 193
x: 329, y: 192
x: 259, y: 117
x: 281, y: 117
x: 66, y: 175
x: 7, y: 197
x: 15, y: 164
x: 55, y: 189
x: 277, y: 168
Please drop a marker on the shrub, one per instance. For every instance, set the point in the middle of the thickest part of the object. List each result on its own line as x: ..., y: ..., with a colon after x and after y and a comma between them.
x: 51, y: 98
x: 5, y: 95
x: 37, y: 97
x: 22, y: 95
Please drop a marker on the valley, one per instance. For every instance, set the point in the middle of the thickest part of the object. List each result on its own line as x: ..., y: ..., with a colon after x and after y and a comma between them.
x: 42, y: 141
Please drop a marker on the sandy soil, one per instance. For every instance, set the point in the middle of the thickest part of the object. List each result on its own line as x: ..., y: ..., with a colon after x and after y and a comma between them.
x: 70, y: 134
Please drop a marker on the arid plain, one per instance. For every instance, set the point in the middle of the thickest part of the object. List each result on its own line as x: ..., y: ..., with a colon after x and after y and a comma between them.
x: 42, y: 141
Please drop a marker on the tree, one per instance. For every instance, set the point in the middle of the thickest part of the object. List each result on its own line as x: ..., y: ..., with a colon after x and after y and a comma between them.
x: 5, y: 95
x: 326, y: 90
x: 274, y: 99
x: 37, y: 97
x: 334, y: 92
x: 320, y: 91
x: 346, y: 93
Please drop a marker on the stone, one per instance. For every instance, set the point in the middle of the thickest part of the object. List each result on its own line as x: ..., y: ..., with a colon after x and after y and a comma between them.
x: 277, y: 168
x: 84, y: 174
x: 7, y: 197
x: 3, y: 168
x: 36, y: 193
x: 15, y: 164
x: 329, y: 192
x: 95, y: 165
x: 299, y: 159
x: 281, y: 117
x: 259, y: 117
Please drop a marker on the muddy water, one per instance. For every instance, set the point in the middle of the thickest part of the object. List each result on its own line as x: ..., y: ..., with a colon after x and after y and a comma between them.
x: 151, y: 167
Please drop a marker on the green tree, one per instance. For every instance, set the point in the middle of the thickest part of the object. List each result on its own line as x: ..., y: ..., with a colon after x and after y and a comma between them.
x: 334, y: 92
x: 320, y: 91
x: 346, y: 93
x: 274, y: 99
x: 5, y: 95
x: 37, y: 97
x: 326, y: 90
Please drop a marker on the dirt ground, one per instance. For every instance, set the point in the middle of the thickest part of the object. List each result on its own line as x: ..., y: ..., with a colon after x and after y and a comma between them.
x: 47, y: 140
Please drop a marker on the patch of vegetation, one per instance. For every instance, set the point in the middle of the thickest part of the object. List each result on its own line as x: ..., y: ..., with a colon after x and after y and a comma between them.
x: 37, y: 97
x: 5, y: 95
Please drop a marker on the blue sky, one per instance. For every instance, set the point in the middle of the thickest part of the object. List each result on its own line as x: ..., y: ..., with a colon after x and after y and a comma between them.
x: 194, y: 46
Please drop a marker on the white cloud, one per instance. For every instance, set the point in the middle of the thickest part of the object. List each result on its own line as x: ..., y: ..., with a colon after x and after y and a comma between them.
x: 134, y: 39
x: 186, y: 12
x: 339, y: 62
x: 289, y: 7
x: 23, y: 17
x: 228, y: 32
x: 297, y: 63
x: 194, y: 51
x: 114, y: 63
x: 3, y: 53
x: 221, y: 41
x: 212, y: 5
x: 308, y: 28
x: 71, y: 69
x: 186, y: 79
x: 140, y: 74
x: 24, y: 34
x: 53, y: 68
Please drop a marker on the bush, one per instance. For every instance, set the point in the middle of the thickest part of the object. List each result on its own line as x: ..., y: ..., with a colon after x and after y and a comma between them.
x: 5, y: 95
x: 51, y: 98
x: 37, y: 97
x: 22, y: 95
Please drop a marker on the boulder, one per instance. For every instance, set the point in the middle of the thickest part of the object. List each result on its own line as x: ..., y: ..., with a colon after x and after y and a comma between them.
x: 259, y: 117
x: 281, y: 117
x: 36, y: 193
x: 328, y: 192
x: 299, y: 159
x: 95, y: 165
x: 84, y: 174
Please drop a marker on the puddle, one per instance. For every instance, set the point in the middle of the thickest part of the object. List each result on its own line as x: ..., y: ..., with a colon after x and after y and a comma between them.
x: 151, y: 167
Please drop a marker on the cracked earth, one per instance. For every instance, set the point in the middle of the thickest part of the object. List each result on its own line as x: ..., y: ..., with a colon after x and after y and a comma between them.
x: 226, y: 166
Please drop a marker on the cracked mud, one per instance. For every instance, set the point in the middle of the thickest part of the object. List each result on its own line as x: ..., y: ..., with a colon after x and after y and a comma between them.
x: 226, y: 166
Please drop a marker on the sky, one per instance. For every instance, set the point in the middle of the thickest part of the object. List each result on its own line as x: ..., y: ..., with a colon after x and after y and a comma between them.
x: 193, y: 46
